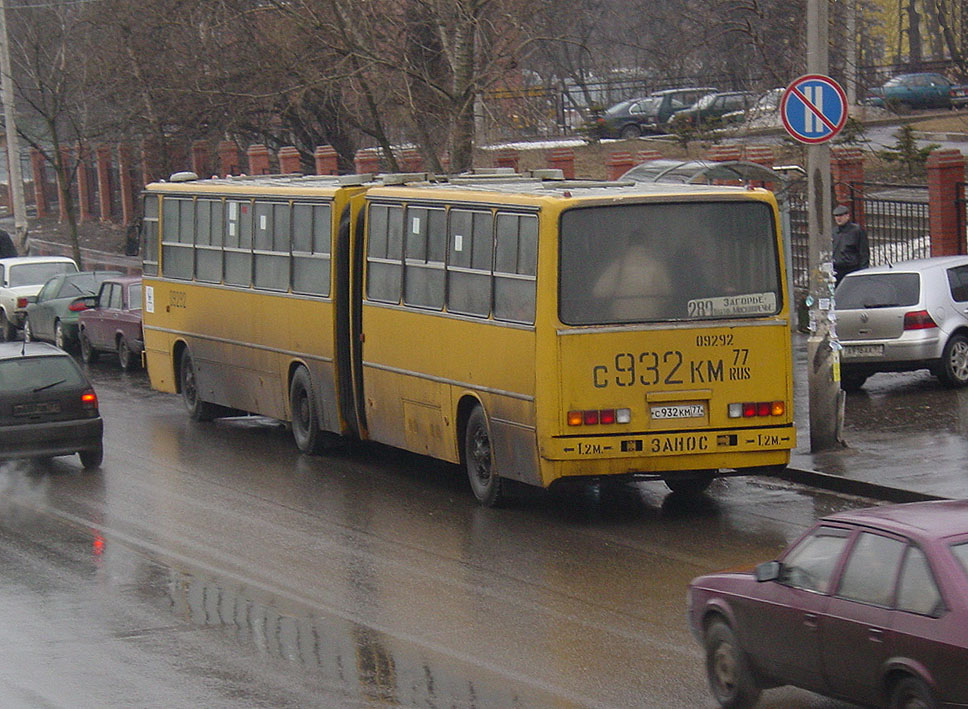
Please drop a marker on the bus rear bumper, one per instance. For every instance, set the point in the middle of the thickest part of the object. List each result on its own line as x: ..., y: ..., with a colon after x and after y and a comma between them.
x: 649, y: 455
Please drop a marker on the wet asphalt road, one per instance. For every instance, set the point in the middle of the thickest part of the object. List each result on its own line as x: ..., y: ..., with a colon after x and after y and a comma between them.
x: 212, y: 565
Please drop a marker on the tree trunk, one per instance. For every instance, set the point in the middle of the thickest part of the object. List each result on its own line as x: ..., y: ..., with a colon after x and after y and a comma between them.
x: 464, y: 92
x: 915, y: 54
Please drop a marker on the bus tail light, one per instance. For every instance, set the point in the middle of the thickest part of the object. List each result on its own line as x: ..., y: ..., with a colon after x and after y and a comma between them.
x: 756, y: 409
x: 594, y: 417
x: 918, y: 320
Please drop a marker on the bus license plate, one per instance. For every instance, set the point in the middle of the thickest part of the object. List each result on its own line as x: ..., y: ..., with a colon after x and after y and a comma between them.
x: 679, y: 411
x: 856, y: 351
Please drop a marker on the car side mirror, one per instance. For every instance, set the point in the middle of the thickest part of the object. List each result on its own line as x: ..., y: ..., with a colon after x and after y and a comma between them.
x: 767, y: 571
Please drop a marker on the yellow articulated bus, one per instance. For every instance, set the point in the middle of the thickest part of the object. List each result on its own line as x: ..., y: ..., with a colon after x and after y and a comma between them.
x: 531, y: 328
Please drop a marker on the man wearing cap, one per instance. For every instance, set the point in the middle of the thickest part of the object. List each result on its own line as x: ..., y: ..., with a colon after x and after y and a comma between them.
x: 851, y: 251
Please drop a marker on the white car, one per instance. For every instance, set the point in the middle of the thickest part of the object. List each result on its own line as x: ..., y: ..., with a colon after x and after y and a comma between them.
x: 21, y: 277
x: 903, y: 317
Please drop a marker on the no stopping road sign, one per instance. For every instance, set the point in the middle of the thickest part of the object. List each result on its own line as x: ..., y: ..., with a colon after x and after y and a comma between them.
x: 813, y: 108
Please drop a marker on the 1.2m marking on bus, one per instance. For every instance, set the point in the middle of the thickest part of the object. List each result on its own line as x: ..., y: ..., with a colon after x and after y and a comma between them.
x: 669, y: 367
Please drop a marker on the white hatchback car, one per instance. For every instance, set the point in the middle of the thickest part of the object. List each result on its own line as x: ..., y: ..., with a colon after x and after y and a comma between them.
x: 23, y: 276
x: 903, y: 317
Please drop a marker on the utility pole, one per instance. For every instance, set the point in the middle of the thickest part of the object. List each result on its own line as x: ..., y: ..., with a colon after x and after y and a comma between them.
x: 823, y: 348
x: 10, y: 123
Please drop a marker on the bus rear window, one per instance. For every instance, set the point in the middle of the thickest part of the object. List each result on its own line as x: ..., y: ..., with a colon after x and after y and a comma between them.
x: 668, y: 261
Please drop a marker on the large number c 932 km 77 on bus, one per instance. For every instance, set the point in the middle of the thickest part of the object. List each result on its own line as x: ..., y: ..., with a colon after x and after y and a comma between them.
x: 529, y: 328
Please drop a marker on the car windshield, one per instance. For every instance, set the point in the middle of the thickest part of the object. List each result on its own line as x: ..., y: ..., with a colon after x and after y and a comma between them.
x: 38, y: 373
x: 32, y: 274
x: 705, y: 102
x: 83, y: 284
x: 878, y: 290
x: 134, y: 297
x: 668, y: 261
x: 961, y: 553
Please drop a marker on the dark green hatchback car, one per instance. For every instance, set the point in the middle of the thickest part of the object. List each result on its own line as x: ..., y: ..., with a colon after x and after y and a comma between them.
x: 48, y: 406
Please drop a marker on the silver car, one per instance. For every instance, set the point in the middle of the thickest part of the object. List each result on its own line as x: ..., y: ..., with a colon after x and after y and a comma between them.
x: 902, y: 317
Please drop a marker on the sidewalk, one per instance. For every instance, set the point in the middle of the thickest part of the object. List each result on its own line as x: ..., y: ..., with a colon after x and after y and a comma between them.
x: 904, y: 442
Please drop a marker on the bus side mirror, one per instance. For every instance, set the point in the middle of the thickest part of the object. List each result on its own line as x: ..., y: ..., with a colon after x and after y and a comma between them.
x: 767, y: 571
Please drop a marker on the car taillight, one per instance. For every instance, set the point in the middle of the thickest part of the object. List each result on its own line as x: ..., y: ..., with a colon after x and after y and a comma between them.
x: 918, y: 320
x: 77, y: 306
x: 89, y: 400
x: 594, y: 417
x: 21, y: 302
x: 755, y: 409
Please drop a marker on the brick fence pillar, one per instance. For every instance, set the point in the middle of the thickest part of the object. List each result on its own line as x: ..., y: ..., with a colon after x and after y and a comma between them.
x: 290, y: 162
x: 563, y: 159
x: 647, y: 156
x: 326, y: 159
x: 410, y: 160
x: 228, y: 157
x: 946, y: 177
x: 38, y: 166
x: 200, y: 158
x: 847, y: 171
x: 508, y: 157
x: 125, y: 165
x: 367, y: 161
x: 83, y: 185
x: 617, y: 164
x: 103, y: 154
x: 258, y: 160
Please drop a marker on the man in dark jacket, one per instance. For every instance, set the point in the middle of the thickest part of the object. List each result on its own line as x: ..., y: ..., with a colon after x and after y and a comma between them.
x: 851, y: 251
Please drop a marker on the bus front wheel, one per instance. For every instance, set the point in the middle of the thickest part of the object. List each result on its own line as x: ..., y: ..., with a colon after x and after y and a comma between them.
x: 198, y: 410
x: 305, y: 416
x: 479, y: 459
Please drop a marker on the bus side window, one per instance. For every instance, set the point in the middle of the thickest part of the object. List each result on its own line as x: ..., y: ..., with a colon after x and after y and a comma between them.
x: 515, y: 267
x: 384, y: 253
x: 470, y: 239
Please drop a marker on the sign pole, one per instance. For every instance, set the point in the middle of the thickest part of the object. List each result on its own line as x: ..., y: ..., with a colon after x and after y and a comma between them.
x: 823, y: 348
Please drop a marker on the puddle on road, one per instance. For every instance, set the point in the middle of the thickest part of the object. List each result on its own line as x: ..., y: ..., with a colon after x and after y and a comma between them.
x: 370, y: 666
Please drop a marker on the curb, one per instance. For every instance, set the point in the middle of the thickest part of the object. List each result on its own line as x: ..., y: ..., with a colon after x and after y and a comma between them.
x: 861, y: 488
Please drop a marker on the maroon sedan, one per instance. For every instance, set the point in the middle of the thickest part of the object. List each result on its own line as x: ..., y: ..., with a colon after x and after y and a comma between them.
x: 112, y: 322
x: 870, y: 606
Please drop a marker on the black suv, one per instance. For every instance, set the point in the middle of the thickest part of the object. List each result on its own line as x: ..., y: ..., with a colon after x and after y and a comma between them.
x: 47, y: 405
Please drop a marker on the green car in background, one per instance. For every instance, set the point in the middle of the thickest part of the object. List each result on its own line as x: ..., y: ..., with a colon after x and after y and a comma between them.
x: 52, y: 313
x: 919, y: 90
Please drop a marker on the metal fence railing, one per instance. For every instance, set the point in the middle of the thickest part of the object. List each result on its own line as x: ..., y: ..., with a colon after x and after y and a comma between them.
x: 895, y: 217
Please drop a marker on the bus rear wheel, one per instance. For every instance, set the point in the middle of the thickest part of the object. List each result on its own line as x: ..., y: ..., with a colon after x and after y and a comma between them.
x: 479, y: 459
x: 305, y: 416
x: 691, y: 483
x: 198, y: 410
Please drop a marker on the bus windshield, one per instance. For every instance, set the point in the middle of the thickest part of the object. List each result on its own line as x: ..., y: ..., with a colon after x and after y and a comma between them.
x: 669, y: 261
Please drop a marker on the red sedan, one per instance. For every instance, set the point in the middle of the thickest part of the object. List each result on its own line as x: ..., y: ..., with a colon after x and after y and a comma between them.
x: 111, y: 322
x: 870, y: 606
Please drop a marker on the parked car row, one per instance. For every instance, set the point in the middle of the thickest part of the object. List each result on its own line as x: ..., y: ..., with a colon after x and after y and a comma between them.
x: 52, y: 301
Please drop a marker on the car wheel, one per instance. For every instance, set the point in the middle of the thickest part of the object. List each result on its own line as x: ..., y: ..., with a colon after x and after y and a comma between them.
x: 7, y: 331
x: 125, y: 356
x: 479, y: 459
x: 692, y: 485
x: 911, y: 693
x: 727, y: 668
x: 630, y: 132
x: 88, y: 353
x: 92, y: 458
x: 850, y: 381
x: 954, y: 362
x: 305, y: 414
x: 60, y: 337
x: 198, y: 410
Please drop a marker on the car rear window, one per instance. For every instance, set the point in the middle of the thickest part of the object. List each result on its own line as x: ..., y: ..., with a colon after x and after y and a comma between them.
x: 32, y: 274
x: 961, y: 552
x: 878, y: 290
x: 38, y: 373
